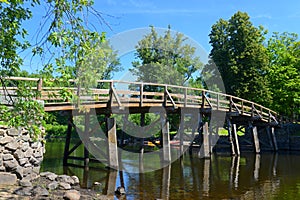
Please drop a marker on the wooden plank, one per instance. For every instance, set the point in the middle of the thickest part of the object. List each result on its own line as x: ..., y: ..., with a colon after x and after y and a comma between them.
x: 116, y: 96
x: 171, y: 99
x: 20, y: 78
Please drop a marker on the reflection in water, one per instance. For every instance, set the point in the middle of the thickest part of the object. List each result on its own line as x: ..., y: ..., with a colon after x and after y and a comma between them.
x: 250, y: 176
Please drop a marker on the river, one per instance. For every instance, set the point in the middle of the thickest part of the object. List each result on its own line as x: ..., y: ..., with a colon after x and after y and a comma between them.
x: 250, y: 176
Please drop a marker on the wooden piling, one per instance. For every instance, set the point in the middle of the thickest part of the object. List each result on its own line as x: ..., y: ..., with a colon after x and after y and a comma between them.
x: 86, y: 136
x: 165, y: 138
x: 111, y: 180
x: 112, y: 143
x: 166, y: 182
x: 256, y: 167
x: 235, y: 139
x: 255, y: 139
x: 271, y: 132
x: 231, y: 138
x: 206, y: 176
x: 68, y: 140
x: 181, y: 132
x: 206, y: 143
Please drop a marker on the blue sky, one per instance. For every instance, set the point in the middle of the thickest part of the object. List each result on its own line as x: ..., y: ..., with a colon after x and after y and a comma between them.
x: 193, y: 18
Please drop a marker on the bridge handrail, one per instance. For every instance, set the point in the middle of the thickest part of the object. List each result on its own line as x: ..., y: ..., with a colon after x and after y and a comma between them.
x: 232, y: 99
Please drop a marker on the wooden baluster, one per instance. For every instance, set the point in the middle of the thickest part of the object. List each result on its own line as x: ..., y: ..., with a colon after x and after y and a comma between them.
x: 242, y: 107
x: 185, y: 97
x: 39, y: 88
x: 165, y: 95
x: 230, y: 104
x: 203, y: 99
x: 141, y: 94
x: 218, y: 101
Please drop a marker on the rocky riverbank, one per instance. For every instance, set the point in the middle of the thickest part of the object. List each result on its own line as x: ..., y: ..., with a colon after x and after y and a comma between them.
x: 46, y: 186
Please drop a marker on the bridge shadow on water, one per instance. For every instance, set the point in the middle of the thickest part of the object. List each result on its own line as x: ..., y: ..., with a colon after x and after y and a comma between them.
x: 249, y: 176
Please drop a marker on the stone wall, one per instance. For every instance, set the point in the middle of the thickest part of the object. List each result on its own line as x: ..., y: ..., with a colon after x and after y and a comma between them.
x: 288, y: 137
x: 20, y: 155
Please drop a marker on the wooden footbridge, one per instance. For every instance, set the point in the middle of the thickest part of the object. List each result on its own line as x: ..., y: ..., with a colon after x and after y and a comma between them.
x: 122, y: 97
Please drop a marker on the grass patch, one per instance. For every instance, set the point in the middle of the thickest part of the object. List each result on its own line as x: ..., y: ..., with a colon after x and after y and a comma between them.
x: 224, y: 132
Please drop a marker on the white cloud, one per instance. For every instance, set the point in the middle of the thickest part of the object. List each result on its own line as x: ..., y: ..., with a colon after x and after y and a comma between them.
x: 262, y: 16
x: 295, y: 15
x: 163, y: 11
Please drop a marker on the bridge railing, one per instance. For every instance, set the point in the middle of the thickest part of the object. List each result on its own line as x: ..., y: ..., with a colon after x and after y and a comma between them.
x: 118, y: 93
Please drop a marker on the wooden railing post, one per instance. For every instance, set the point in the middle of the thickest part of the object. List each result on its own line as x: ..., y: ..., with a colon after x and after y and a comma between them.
x: 242, y: 107
x: 230, y: 104
x: 39, y: 88
x: 185, y: 97
x: 165, y: 95
x: 218, y: 101
x: 141, y: 94
x: 203, y: 99
x: 110, y: 101
x: 252, y: 110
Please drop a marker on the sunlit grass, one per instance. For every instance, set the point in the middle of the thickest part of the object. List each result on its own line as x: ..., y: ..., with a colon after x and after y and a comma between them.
x: 224, y: 132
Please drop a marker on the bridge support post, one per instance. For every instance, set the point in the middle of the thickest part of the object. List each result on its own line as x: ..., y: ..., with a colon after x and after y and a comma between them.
x: 235, y: 140
x: 68, y: 140
x: 111, y: 180
x: 206, y: 141
x: 141, y: 154
x: 206, y: 176
x: 181, y: 132
x: 271, y: 133
x: 112, y: 143
x: 86, y: 135
x: 255, y: 139
x: 165, y: 138
x: 166, y: 182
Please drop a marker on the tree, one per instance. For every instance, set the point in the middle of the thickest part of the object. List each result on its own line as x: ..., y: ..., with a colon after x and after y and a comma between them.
x: 284, y: 73
x: 75, y: 49
x: 239, y: 53
x: 165, y: 59
x: 12, y: 14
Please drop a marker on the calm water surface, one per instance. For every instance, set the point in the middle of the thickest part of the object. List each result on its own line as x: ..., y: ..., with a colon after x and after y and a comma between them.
x: 250, y: 176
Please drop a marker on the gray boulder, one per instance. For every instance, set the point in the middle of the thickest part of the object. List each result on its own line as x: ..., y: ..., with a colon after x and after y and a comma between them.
x: 8, y: 178
x: 72, y: 195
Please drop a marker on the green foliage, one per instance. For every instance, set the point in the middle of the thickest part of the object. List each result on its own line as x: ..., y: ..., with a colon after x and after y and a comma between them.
x: 12, y: 14
x: 78, y: 52
x: 242, y: 59
x: 25, y: 111
x: 165, y: 59
x: 55, y: 130
x: 149, y: 118
x: 284, y: 73
x: 68, y: 45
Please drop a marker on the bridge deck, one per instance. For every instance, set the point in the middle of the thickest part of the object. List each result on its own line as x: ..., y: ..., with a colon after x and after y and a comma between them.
x: 116, y: 96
